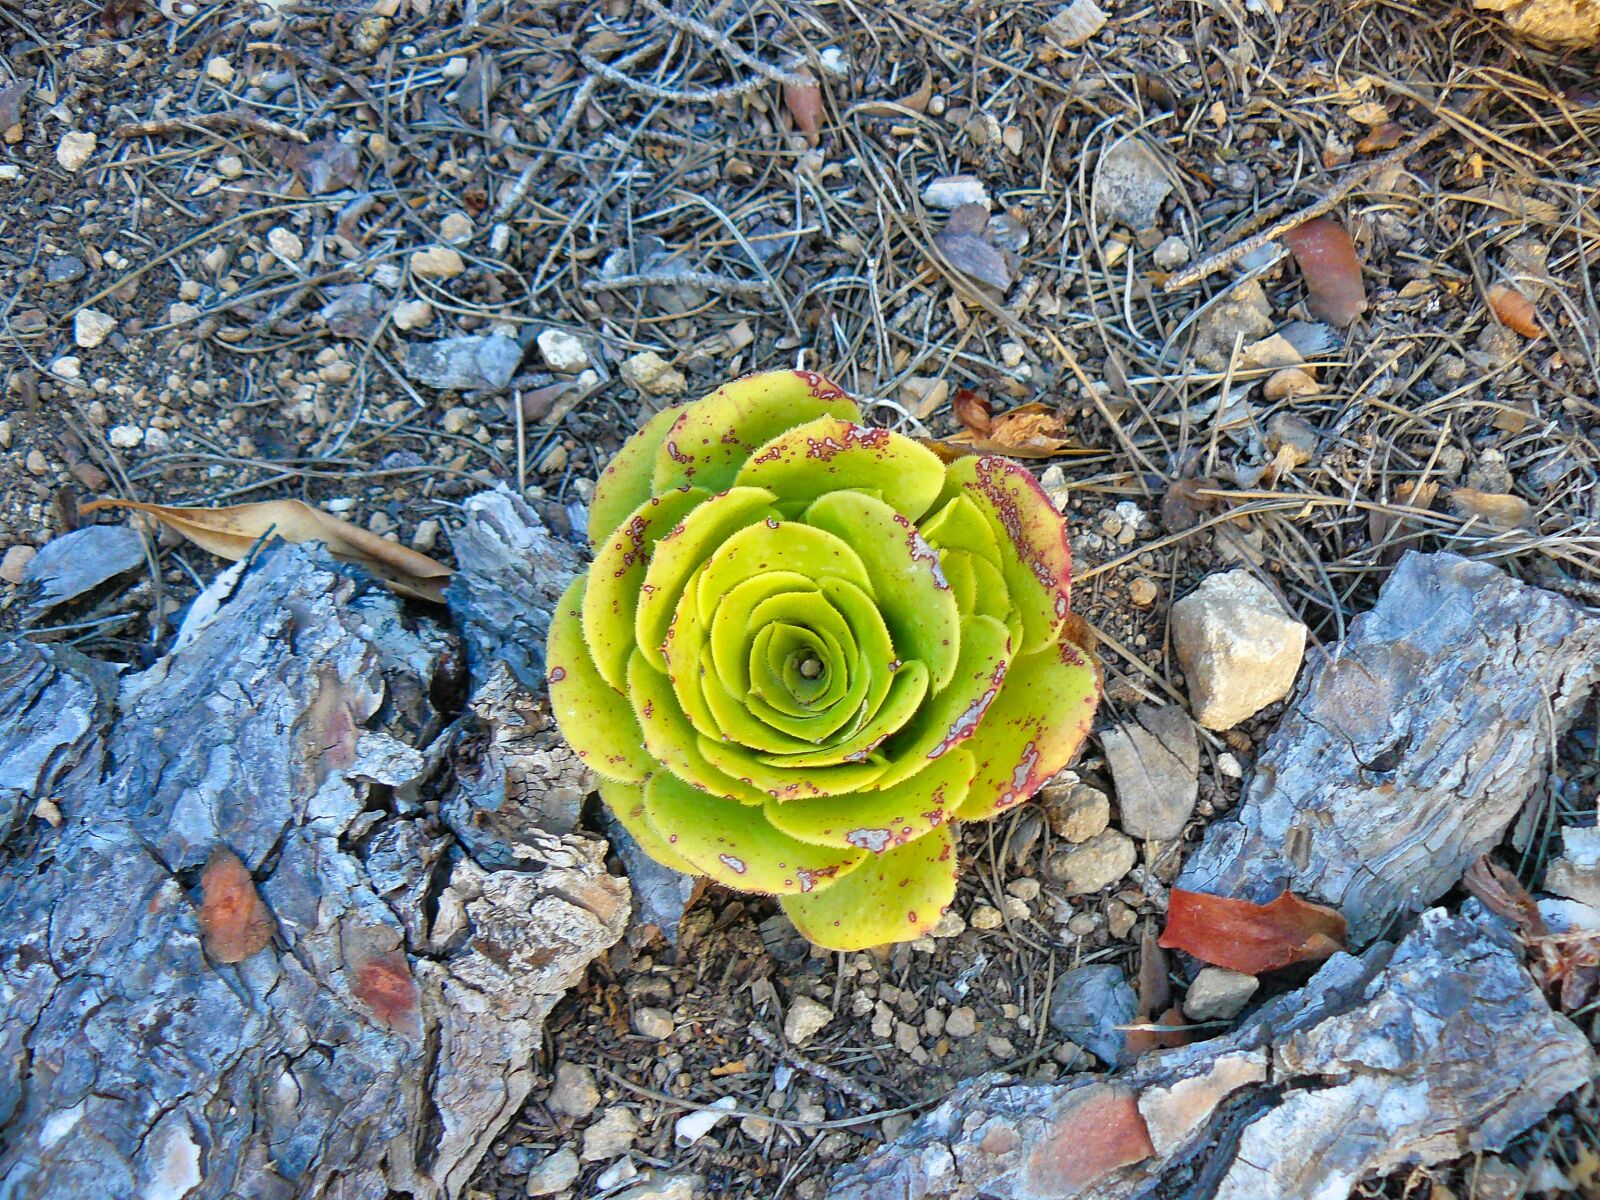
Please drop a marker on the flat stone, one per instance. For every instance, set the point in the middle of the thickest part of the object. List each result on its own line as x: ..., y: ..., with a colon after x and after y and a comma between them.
x: 1218, y: 994
x: 1097, y: 863
x: 556, y: 1173
x: 1087, y: 1005
x: 412, y: 314
x: 805, y: 1020
x: 563, y: 351
x: 77, y: 562
x: 654, y: 1023
x: 1130, y: 182
x: 961, y: 1023
x: 1239, y: 650
x: 74, y: 149
x: 611, y: 1135
x: 1155, y: 761
x: 456, y: 228
x: 1170, y: 253
x: 285, y: 244
x: 574, y: 1093
x: 15, y: 561
x: 67, y: 269
x: 474, y: 363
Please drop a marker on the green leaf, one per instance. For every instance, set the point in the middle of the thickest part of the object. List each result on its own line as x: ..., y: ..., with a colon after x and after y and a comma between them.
x: 830, y: 455
x: 906, y: 690
x: 616, y: 573
x: 729, y: 631
x: 713, y: 437
x: 671, y: 740
x: 1034, y: 557
x: 736, y: 845
x: 781, y: 783
x: 774, y: 545
x: 959, y: 525
x: 913, y: 595
x: 595, y: 718
x: 892, y: 897
x: 681, y: 552
x: 625, y: 483
x: 626, y: 802
x: 1033, y: 729
x: 881, y: 819
x: 948, y: 719
x: 738, y: 724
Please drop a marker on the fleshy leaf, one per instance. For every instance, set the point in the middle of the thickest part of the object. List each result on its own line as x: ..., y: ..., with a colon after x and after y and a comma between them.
x: 880, y: 820
x: 779, y: 546
x: 595, y: 718
x: 783, y: 783
x: 830, y: 455
x: 1034, y: 727
x: 616, y: 574
x: 670, y: 739
x: 711, y: 439
x: 892, y: 897
x: 626, y: 802
x: 906, y: 690
x: 1034, y: 557
x: 625, y: 483
x: 736, y: 845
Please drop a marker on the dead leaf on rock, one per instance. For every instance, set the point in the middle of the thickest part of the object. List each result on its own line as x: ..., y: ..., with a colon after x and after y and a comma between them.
x: 234, y: 923
x: 1327, y: 258
x: 1497, y: 508
x: 1252, y: 938
x: 231, y: 532
x: 1514, y: 310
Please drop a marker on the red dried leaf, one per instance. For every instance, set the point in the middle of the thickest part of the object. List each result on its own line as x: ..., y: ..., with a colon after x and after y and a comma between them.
x: 1250, y: 937
x: 972, y: 410
x: 804, y: 102
x: 1327, y: 258
x: 384, y: 984
x: 1514, y: 311
x: 1385, y: 137
x: 1141, y: 1040
x: 1101, y: 1130
x: 234, y: 923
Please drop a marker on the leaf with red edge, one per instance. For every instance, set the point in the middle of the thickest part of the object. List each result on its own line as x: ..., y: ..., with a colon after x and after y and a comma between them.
x: 1327, y: 258
x: 234, y: 923
x: 1252, y: 938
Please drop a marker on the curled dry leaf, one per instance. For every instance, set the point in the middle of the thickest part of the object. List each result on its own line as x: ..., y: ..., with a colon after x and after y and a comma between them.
x: 1031, y: 431
x: 1289, y: 383
x: 1184, y: 505
x: 231, y: 532
x: 972, y: 410
x: 1250, y: 937
x: 1385, y: 137
x: 804, y: 102
x: 1396, y: 530
x: 1327, y: 258
x: 1514, y: 310
x: 1497, y: 508
x: 234, y: 923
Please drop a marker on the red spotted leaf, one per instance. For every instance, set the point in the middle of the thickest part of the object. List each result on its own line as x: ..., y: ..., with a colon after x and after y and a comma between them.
x: 1327, y: 258
x: 1250, y: 937
x: 234, y: 923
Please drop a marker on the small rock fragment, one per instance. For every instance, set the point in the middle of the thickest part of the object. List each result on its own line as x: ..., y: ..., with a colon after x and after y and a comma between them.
x: 285, y: 244
x: 950, y: 192
x: 651, y: 374
x: 1143, y: 592
x: 412, y: 314
x: 611, y: 1135
x: 90, y: 328
x: 1243, y: 316
x: 658, y: 1185
x: 563, y: 351
x: 68, y: 366
x: 456, y: 228
x: 574, y: 1093
x: 370, y: 34
x: 961, y: 1023
x: 1075, y: 24
x: 74, y: 149
x: 1155, y: 761
x: 1130, y: 182
x: 1218, y: 994
x: 1078, y: 812
x: 1088, y: 1004
x: 1238, y: 648
x: 555, y: 1173
x: 1170, y: 253
x: 485, y: 362
x: 1291, y: 440
x: 805, y: 1020
x: 986, y: 916
x: 654, y: 1023
x: 354, y: 310
x: 1097, y: 863
x: 67, y: 269
x: 219, y: 70
x: 15, y: 560
x: 437, y: 262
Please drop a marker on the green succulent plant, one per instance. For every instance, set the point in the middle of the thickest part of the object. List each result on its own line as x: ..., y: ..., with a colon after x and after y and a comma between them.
x: 807, y: 648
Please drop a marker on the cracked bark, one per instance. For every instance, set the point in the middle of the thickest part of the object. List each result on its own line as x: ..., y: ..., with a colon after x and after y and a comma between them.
x: 386, y: 1034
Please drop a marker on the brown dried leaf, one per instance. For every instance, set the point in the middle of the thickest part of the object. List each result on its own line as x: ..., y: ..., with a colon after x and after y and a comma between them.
x: 1385, y: 137
x: 1497, y: 508
x: 234, y: 923
x: 1155, y: 991
x: 1502, y: 893
x: 804, y: 102
x: 1183, y: 507
x: 1327, y: 258
x: 1031, y: 431
x: 972, y: 410
x: 1514, y: 310
x: 231, y: 532
x: 916, y: 102
x: 1404, y: 530
x: 1250, y: 937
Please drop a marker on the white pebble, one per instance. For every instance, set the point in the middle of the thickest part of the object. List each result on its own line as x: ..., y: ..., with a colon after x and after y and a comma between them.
x: 90, y: 328
x: 285, y: 244
x: 126, y: 437
x: 220, y: 70
x: 694, y: 1126
x: 74, y: 149
x: 412, y: 314
x: 68, y: 366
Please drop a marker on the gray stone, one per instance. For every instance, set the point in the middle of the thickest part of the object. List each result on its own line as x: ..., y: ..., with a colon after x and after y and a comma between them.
x: 1097, y: 863
x: 1155, y: 761
x: 80, y: 561
x: 557, y: 1172
x: 1239, y: 650
x: 1076, y: 812
x: 611, y: 1135
x: 950, y: 192
x: 1088, y: 1004
x: 1218, y: 994
x: 805, y: 1019
x: 354, y: 310
x: 574, y: 1093
x: 1130, y: 182
x: 654, y: 1023
x: 484, y: 362
x: 66, y: 269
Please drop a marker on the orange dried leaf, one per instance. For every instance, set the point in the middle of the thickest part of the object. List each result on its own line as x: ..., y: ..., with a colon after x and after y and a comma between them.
x: 1327, y: 258
x: 234, y: 923
x: 804, y: 101
x: 972, y: 410
x: 1385, y: 137
x: 1251, y: 938
x: 1497, y: 508
x: 231, y: 532
x: 1032, y: 431
x: 1514, y: 311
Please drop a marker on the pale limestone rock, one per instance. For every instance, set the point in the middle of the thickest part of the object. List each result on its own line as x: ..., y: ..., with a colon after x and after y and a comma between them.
x: 1238, y: 648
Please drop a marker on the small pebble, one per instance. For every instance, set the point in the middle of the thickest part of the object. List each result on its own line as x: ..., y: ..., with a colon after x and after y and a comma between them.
x: 653, y: 1023
x: 337, y: 372
x: 961, y: 1023
x: 1119, y: 918
x: 370, y: 34
x: 37, y: 463
x: 950, y: 925
x: 611, y: 1135
x: 556, y: 1173
x: 1143, y: 592
x: 74, y: 149
x: 563, y: 351
x: 1096, y: 863
x: 90, y: 328
x: 68, y: 366
x: 574, y: 1093
x: 219, y: 70
x: 12, y: 564
x: 426, y: 536
x: 653, y: 375
x: 412, y: 314
x: 1000, y: 1047
x: 179, y: 313
x: 1171, y: 254
x: 230, y: 166
x: 437, y: 262
x: 987, y: 917
x: 804, y: 1020
x: 456, y: 228
x: 126, y: 437
x: 1012, y: 353
x: 285, y: 244
x: 460, y: 420
x: 950, y: 192
x: 1228, y: 766
x: 1024, y: 889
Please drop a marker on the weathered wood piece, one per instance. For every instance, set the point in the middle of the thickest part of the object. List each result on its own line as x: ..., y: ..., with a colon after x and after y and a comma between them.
x: 385, y: 1033
x: 1399, y: 1056
x: 1410, y: 747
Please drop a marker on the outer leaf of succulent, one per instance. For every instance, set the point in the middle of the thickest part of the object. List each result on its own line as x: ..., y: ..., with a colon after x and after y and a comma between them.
x: 807, y: 648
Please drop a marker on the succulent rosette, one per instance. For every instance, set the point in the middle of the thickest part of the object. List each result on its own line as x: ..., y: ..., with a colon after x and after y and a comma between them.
x: 807, y: 648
